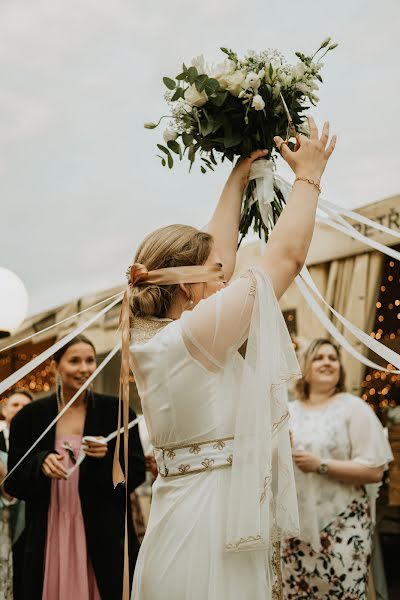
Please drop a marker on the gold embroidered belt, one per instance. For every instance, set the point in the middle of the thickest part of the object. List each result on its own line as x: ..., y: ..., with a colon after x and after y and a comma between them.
x: 197, y: 457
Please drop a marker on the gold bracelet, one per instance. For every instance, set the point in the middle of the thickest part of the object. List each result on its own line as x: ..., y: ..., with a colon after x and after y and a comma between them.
x: 310, y: 181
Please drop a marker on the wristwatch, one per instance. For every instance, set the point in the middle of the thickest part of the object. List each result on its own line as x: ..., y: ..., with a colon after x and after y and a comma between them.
x: 323, y: 468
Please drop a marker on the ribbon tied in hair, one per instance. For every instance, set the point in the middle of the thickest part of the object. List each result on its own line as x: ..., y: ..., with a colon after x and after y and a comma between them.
x: 138, y: 274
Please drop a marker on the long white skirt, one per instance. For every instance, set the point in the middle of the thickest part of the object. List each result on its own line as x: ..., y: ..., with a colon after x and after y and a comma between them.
x: 182, y: 556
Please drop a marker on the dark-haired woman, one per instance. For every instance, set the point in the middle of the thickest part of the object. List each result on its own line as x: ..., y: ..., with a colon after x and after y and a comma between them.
x: 340, y: 453
x: 75, y: 523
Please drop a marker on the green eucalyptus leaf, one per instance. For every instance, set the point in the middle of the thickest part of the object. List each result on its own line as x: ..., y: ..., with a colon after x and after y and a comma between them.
x: 175, y: 147
x: 179, y: 93
x: 200, y: 82
x: 219, y: 99
x: 169, y: 83
x: 202, y: 169
x: 170, y: 161
x: 192, y: 74
x: 211, y: 86
x: 187, y: 138
x: 163, y: 148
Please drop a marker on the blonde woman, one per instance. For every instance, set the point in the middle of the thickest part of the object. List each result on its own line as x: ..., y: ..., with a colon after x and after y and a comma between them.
x: 220, y: 501
x: 340, y: 453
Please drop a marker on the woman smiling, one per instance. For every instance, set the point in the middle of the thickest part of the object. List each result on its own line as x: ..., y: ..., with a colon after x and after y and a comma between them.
x: 340, y: 453
x: 75, y: 522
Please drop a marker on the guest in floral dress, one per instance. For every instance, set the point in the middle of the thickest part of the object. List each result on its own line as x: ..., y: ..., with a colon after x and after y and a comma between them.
x: 74, y: 522
x: 340, y: 453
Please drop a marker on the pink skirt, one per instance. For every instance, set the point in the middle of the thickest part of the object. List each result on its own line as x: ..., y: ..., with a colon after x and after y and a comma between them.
x: 68, y: 572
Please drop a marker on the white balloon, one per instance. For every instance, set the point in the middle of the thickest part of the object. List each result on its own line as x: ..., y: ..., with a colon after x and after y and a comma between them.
x: 13, y: 301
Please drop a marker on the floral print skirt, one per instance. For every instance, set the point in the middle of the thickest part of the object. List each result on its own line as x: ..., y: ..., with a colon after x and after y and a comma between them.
x: 340, y: 569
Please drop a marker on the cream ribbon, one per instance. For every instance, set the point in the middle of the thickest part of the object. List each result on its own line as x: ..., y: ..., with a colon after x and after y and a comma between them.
x: 45, y: 329
x: 304, y: 281
x: 101, y: 441
x: 66, y: 407
x: 262, y: 170
x: 35, y: 362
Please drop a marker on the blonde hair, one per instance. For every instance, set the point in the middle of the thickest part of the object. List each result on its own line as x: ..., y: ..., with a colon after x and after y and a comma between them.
x: 171, y: 246
x: 301, y: 388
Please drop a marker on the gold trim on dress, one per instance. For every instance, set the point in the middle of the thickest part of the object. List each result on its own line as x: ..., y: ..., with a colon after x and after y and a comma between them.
x: 192, y: 445
x: 251, y: 538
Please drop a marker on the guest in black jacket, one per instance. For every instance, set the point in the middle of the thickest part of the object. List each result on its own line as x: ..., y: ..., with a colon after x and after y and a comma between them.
x: 74, y: 523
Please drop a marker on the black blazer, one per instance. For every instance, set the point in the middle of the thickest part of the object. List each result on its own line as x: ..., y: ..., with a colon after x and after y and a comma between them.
x: 2, y: 442
x: 103, y: 507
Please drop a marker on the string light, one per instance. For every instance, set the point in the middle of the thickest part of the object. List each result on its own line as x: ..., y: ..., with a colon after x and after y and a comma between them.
x: 382, y: 390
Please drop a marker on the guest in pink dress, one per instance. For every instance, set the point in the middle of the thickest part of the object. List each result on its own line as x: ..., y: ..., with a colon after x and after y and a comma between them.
x: 75, y: 524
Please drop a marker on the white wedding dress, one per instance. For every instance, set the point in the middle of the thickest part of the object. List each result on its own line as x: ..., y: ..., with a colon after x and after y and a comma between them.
x: 212, y: 531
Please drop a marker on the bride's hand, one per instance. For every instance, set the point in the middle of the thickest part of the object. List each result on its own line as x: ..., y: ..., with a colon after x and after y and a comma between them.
x: 313, y: 154
x: 240, y: 172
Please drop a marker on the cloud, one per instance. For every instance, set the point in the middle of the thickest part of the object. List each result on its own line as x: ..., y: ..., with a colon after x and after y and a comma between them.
x: 80, y: 181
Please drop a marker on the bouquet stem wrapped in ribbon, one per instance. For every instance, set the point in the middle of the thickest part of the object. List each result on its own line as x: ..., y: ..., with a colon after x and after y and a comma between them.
x: 226, y: 111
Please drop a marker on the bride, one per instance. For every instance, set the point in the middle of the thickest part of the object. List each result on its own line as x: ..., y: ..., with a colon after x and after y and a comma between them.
x: 224, y: 495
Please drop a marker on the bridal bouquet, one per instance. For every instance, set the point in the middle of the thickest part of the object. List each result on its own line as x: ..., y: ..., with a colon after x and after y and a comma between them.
x: 232, y: 108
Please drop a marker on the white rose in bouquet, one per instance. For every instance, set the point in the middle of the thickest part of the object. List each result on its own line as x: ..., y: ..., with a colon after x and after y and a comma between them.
x: 232, y: 82
x: 169, y: 135
x: 258, y: 103
x: 252, y: 81
x: 194, y: 97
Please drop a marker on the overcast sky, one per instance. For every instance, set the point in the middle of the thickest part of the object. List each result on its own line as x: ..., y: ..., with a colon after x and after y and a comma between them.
x: 80, y: 183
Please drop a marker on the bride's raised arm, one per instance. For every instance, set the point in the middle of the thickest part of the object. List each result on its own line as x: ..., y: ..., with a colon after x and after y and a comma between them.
x: 219, y: 325
x: 224, y: 224
x: 290, y: 239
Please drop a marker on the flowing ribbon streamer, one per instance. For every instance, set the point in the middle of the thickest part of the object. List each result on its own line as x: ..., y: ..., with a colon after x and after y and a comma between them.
x: 337, y: 222
x: 29, y: 337
x: 357, y: 217
x: 35, y: 362
x: 303, y: 281
x: 262, y: 171
x: 103, y: 440
x: 118, y: 475
x: 66, y: 407
x: 335, y: 211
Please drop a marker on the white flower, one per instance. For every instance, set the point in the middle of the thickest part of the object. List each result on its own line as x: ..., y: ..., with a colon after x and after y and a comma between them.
x: 169, y: 135
x: 313, y: 85
x: 252, y: 80
x: 232, y: 82
x: 258, y: 103
x: 299, y: 70
x: 220, y: 70
x: 303, y: 87
x: 276, y: 89
x: 199, y: 63
x: 194, y: 97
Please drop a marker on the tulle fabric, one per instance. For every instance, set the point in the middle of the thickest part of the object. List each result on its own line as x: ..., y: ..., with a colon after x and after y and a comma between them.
x: 194, y: 386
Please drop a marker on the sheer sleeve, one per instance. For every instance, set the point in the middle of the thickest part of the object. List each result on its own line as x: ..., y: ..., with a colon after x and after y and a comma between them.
x: 219, y: 325
x: 261, y: 505
x: 369, y: 445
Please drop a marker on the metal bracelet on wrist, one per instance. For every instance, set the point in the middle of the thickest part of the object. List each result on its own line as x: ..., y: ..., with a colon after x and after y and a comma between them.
x: 323, y: 468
